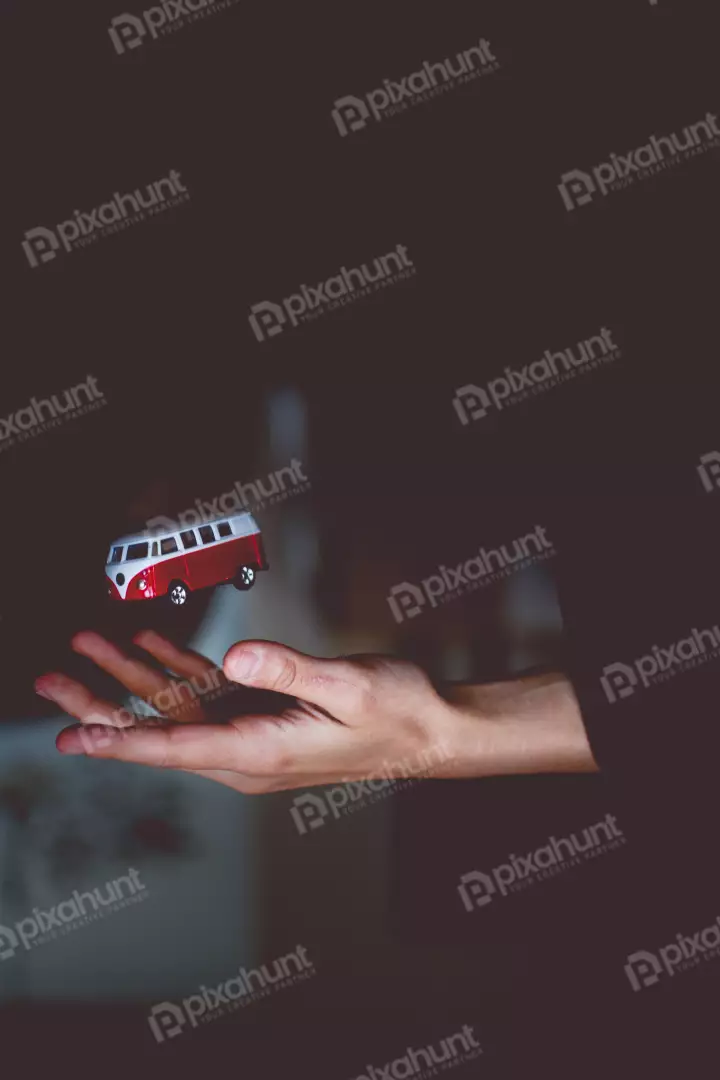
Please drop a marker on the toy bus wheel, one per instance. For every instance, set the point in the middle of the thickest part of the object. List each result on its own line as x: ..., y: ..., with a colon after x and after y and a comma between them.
x: 245, y: 578
x: 178, y: 594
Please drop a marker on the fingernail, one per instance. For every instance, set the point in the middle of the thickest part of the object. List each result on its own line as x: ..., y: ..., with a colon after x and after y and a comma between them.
x: 245, y: 664
x: 70, y: 742
x: 40, y: 688
x: 86, y: 739
x: 70, y: 747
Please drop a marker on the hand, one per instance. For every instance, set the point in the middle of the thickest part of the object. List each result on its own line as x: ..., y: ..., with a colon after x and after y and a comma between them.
x: 346, y: 719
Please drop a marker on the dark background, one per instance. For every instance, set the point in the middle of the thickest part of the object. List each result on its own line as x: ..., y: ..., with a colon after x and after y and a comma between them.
x: 240, y: 105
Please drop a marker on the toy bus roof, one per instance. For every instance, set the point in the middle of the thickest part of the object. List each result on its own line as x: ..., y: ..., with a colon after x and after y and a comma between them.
x: 159, y: 534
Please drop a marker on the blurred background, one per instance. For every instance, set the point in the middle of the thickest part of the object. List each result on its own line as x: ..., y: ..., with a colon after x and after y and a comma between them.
x: 240, y: 104
x: 223, y: 863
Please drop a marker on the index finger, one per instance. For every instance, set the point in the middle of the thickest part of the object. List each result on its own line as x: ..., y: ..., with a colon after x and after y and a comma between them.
x: 183, y: 746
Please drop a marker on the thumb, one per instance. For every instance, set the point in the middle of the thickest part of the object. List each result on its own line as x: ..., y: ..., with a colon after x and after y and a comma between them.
x: 334, y: 685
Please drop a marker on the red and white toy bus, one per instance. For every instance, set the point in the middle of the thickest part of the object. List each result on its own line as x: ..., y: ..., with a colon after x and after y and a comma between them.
x: 176, y: 563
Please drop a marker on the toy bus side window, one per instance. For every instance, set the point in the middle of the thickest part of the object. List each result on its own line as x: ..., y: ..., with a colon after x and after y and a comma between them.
x: 206, y: 534
x: 154, y: 548
x: 189, y: 539
x: 224, y: 529
x: 116, y: 555
x: 168, y: 546
x: 137, y: 551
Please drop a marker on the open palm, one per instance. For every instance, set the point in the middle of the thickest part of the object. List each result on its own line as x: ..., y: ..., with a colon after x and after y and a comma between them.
x: 341, y: 719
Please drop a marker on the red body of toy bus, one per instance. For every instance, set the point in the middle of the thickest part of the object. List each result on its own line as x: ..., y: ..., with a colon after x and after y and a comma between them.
x: 176, y: 563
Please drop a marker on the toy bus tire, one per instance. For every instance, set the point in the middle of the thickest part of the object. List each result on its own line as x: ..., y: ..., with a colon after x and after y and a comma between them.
x: 178, y: 593
x: 245, y: 578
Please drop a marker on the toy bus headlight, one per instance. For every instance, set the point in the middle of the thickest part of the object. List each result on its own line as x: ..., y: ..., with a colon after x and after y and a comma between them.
x: 142, y: 584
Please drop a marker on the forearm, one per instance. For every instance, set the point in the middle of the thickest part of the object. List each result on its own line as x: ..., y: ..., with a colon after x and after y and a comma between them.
x: 525, y: 725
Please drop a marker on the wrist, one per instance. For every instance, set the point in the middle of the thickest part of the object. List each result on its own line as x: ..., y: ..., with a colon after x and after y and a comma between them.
x: 524, y: 725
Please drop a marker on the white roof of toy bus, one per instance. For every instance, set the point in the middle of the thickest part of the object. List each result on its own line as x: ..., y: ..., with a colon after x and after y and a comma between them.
x: 159, y: 534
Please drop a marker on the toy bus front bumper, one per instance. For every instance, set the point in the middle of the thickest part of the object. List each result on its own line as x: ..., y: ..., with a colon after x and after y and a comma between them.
x: 133, y: 591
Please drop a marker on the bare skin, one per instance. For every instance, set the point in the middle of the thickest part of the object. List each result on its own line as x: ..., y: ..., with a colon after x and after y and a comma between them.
x: 351, y: 719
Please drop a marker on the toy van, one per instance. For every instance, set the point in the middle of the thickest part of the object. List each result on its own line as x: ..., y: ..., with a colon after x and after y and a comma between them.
x: 175, y: 563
